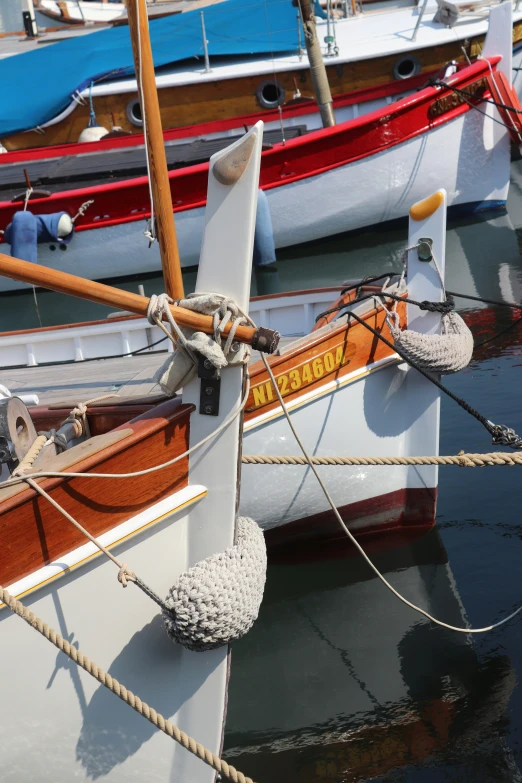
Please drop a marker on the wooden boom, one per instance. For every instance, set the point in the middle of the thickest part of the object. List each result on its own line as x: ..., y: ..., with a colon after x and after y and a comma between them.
x: 265, y: 340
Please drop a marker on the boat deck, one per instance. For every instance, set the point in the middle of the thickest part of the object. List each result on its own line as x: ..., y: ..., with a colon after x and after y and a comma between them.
x: 132, y: 376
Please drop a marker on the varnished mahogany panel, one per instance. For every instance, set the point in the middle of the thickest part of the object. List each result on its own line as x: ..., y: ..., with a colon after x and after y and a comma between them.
x: 33, y: 533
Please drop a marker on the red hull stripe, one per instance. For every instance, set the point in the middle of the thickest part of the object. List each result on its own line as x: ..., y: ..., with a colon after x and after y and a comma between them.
x: 403, y: 512
x: 218, y: 126
x: 300, y: 158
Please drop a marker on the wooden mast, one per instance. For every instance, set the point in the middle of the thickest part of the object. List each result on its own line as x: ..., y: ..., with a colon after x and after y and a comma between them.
x: 317, y: 69
x: 158, y: 172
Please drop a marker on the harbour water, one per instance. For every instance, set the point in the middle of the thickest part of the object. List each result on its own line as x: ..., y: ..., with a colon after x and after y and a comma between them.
x: 337, y: 681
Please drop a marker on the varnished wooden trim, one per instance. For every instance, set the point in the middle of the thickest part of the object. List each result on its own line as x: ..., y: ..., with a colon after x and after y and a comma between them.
x: 32, y: 534
x: 124, y: 532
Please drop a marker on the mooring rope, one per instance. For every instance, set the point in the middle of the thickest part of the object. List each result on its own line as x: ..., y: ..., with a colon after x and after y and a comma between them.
x: 461, y: 460
x: 113, y: 685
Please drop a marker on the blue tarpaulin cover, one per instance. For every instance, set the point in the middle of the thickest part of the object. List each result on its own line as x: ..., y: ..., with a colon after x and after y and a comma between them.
x: 38, y: 85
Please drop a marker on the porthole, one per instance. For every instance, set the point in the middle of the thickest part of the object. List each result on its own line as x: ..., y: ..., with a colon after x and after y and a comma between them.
x: 134, y: 112
x: 406, y: 67
x: 270, y: 95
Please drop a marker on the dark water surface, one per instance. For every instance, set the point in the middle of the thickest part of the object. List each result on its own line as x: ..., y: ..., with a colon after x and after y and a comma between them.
x: 338, y: 682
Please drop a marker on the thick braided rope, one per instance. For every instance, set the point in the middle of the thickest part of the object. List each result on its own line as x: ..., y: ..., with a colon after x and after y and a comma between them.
x: 460, y: 460
x: 217, y: 601
x: 443, y: 353
x: 141, y: 707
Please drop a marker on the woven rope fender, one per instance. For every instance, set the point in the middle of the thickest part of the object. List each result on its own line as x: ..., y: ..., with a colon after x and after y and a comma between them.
x: 443, y: 353
x: 217, y: 600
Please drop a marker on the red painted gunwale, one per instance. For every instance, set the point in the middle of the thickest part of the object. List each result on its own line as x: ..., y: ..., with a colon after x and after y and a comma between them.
x: 290, y: 110
x: 300, y: 158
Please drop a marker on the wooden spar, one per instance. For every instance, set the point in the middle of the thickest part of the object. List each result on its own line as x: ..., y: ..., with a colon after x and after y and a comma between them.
x: 158, y: 172
x: 322, y: 92
x: 261, y: 339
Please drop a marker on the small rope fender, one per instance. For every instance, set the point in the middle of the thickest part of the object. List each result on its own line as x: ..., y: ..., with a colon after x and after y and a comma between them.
x: 217, y: 600
x: 443, y: 353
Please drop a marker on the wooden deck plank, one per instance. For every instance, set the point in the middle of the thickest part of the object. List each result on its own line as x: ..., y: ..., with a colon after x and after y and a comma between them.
x: 130, y: 377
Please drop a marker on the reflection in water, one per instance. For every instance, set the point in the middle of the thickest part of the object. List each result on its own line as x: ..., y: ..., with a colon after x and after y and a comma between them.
x: 340, y: 682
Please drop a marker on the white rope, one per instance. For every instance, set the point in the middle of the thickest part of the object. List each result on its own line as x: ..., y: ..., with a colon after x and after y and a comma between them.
x: 354, y: 540
x: 82, y: 210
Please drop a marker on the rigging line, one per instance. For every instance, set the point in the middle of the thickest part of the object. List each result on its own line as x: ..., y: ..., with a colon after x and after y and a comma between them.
x: 513, y: 305
x: 482, y: 99
x: 279, y: 109
x: 150, y: 233
x: 489, y: 426
x: 354, y: 541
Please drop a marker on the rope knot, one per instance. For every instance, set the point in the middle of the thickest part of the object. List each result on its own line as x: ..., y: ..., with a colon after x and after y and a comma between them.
x: 126, y: 575
x: 158, y: 305
x: 438, y: 307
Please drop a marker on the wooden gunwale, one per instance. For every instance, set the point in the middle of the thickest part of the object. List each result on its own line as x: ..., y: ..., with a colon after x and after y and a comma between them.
x: 359, y: 348
x: 194, y: 103
x: 32, y: 534
x: 290, y: 110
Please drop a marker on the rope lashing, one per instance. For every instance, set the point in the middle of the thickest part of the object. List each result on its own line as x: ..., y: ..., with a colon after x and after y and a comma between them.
x: 78, y: 416
x: 462, y: 460
x: 217, y: 601
x: 127, y: 696
x: 181, y: 367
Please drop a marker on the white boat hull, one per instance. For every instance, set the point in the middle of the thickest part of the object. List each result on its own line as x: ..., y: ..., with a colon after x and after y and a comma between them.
x: 397, y: 415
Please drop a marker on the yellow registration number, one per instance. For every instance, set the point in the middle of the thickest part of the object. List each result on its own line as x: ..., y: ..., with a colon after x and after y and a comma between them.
x: 303, y: 375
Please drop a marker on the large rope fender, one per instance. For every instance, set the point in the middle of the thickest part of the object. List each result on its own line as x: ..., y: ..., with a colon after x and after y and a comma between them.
x: 217, y: 601
x: 508, y: 104
x: 443, y: 353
